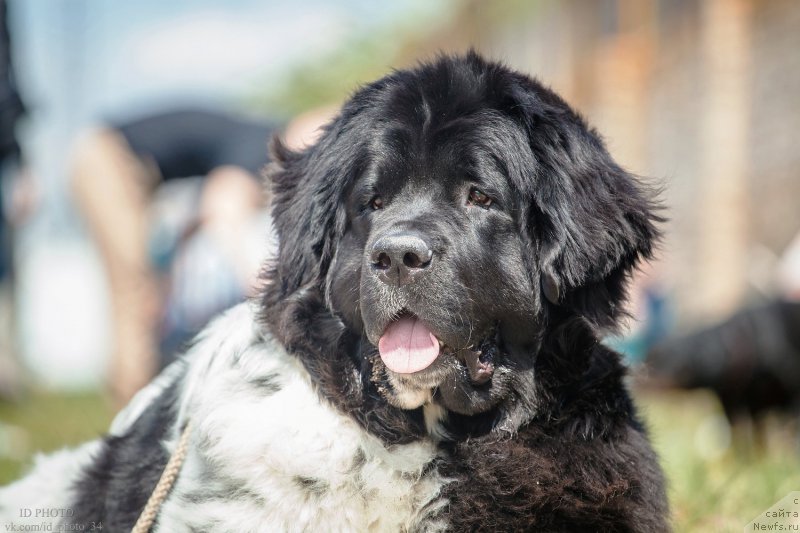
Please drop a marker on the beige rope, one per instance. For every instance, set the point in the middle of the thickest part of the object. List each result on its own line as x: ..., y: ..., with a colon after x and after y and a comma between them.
x: 165, y: 482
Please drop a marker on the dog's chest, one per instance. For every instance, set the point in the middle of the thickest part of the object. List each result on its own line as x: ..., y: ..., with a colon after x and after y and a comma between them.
x: 268, y: 455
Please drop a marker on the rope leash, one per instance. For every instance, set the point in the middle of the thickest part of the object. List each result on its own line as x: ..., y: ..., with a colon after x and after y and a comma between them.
x: 165, y: 482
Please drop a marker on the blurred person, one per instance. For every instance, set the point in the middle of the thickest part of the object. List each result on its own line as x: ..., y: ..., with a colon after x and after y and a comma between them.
x: 12, y: 110
x: 650, y: 314
x: 789, y: 270
x: 116, y: 170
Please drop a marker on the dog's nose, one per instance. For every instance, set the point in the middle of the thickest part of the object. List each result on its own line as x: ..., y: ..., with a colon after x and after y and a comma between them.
x: 400, y: 258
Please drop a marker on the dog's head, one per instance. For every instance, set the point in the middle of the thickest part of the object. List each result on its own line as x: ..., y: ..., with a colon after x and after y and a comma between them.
x: 450, y: 216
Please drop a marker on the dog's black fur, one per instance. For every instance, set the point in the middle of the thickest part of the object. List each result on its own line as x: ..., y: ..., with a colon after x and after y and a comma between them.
x: 552, y: 442
x: 128, y: 465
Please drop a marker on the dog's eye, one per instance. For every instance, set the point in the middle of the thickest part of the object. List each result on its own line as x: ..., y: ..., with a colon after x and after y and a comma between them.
x: 376, y: 203
x: 478, y: 197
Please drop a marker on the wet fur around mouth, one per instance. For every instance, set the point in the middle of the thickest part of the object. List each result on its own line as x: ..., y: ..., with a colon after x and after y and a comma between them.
x: 551, y: 440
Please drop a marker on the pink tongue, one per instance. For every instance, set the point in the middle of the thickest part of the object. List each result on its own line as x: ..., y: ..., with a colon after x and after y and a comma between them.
x: 408, y: 346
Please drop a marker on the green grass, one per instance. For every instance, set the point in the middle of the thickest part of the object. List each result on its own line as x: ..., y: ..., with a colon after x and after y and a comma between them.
x: 712, y: 488
x: 47, y: 422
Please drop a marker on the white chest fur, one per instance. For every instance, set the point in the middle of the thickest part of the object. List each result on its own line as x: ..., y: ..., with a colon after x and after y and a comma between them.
x: 267, y: 454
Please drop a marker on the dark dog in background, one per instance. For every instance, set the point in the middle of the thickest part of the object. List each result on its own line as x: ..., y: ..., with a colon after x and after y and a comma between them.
x: 425, y: 356
x: 751, y: 361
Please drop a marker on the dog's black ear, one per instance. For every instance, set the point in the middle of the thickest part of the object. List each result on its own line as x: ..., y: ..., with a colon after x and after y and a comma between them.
x: 307, y: 190
x: 592, y: 220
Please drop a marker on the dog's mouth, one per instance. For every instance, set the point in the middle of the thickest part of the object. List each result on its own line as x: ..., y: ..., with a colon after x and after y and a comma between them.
x: 408, y: 346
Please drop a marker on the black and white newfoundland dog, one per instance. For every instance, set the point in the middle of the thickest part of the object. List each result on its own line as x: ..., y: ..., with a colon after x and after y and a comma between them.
x: 426, y: 353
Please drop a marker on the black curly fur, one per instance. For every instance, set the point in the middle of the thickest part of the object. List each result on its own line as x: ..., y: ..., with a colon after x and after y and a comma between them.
x: 560, y: 447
